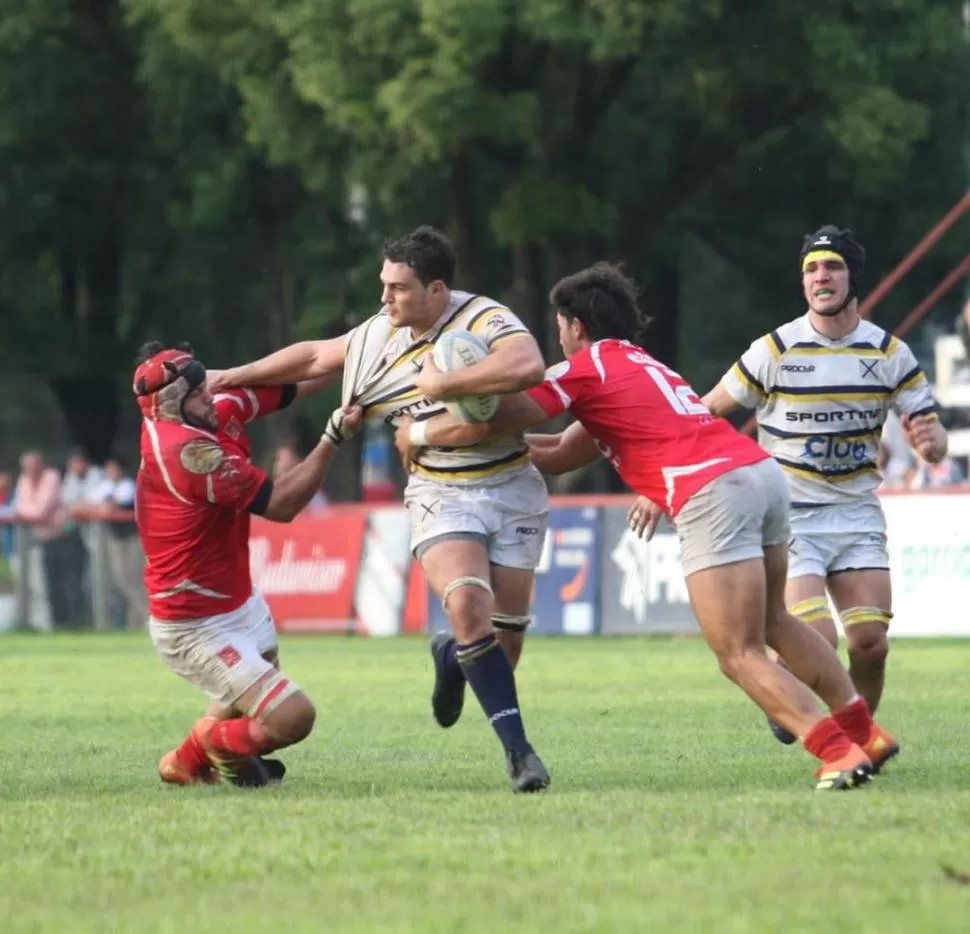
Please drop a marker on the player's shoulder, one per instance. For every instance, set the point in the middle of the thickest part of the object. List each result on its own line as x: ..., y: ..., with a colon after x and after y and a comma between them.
x: 872, y: 336
x: 785, y: 336
x: 775, y: 343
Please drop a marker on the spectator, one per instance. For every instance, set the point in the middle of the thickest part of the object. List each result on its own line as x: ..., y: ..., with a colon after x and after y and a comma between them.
x: 115, y: 502
x: 896, y: 458
x: 37, y: 498
x: 6, y: 513
x: 78, y: 491
x: 946, y: 473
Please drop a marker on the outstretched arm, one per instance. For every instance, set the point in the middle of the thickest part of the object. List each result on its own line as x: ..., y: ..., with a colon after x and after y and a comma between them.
x: 569, y: 450
x: 307, y: 360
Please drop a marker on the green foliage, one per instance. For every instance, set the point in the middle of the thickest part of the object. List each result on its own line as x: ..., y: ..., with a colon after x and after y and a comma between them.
x: 226, y: 172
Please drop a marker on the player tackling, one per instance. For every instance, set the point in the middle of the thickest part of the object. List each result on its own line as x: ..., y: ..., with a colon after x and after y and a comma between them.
x: 726, y: 496
x: 479, y: 514
x: 823, y: 385
x: 195, y: 491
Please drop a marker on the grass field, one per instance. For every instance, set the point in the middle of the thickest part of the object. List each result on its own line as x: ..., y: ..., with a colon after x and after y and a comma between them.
x: 672, y: 809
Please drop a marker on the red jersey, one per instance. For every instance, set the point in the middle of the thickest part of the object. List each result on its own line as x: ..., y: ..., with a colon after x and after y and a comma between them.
x: 191, y: 499
x: 646, y: 420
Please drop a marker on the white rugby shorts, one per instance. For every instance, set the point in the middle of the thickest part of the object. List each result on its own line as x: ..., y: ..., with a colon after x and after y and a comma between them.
x: 509, y: 518
x: 833, y: 539
x: 221, y: 655
x: 734, y: 517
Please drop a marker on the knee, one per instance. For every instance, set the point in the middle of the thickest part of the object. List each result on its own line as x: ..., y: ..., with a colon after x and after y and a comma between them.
x: 291, y: 722
x: 731, y: 662
x: 469, y: 607
x: 868, y: 644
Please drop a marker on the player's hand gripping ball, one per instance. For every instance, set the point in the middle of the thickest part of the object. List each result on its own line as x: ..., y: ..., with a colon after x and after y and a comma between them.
x: 455, y: 350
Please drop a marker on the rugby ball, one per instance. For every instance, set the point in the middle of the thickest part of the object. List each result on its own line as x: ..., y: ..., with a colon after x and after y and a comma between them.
x: 452, y: 351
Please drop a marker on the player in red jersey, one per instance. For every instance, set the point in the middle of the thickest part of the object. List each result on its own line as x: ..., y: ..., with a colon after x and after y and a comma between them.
x: 725, y: 495
x: 195, y: 491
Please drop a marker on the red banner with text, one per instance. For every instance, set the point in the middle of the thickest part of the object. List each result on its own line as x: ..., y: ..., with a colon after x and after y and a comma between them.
x: 307, y: 569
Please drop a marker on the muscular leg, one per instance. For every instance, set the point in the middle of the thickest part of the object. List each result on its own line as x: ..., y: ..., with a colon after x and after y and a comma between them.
x: 864, y: 599
x: 810, y: 657
x: 458, y: 572
x: 805, y: 650
x: 806, y: 599
x: 729, y: 602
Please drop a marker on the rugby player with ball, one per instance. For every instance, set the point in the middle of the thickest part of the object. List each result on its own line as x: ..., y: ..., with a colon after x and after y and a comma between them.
x: 478, y: 514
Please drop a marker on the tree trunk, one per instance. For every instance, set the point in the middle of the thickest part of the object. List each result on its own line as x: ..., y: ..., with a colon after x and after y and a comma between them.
x: 90, y: 403
x: 660, y: 300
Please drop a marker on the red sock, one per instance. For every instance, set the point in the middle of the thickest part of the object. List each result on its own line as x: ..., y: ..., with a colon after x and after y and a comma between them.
x: 192, y: 756
x: 243, y: 736
x: 827, y: 741
x: 855, y: 720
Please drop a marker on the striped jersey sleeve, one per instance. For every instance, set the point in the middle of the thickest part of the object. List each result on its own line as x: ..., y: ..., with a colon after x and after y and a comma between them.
x: 750, y: 380
x: 910, y: 389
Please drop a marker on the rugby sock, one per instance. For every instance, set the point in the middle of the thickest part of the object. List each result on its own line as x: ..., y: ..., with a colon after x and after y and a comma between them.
x: 451, y: 663
x: 192, y: 755
x: 855, y: 720
x: 490, y: 675
x: 242, y: 736
x: 827, y: 741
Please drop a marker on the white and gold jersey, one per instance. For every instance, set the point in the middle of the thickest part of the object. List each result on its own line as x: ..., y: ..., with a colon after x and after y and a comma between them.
x: 821, y: 405
x: 379, y: 370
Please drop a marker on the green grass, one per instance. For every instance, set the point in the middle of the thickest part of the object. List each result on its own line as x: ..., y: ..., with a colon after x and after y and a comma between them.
x: 672, y: 809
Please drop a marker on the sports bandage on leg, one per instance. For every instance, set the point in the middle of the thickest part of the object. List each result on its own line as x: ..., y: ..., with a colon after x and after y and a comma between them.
x: 511, y: 623
x: 865, y: 614
x: 813, y: 610
x: 464, y: 582
x: 276, y: 689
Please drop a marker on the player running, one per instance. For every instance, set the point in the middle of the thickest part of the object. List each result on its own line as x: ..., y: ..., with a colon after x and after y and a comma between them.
x: 478, y: 515
x: 195, y: 491
x: 823, y: 385
x: 725, y: 494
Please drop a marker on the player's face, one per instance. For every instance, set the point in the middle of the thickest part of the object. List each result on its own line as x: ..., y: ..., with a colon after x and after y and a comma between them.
x: 826, y: 285
x: 407, y: 300
x: 199, y: 408
x: 570, y: 335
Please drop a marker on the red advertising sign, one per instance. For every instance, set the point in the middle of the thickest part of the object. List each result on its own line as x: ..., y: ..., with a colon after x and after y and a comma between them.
x: 307, y: 569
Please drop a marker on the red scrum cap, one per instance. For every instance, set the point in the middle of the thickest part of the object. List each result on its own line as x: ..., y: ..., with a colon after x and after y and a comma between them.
x: 163, y: 381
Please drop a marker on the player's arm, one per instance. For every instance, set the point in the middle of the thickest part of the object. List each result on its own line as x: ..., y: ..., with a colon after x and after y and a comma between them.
x: 288, y: 494
x: 913, y: 401
x: 513, y: 364
x: 569, y: 450
x: 719, y: 401
x: 748, y: 383
x: 305, y: 361
x: 515, y: 414
x: 207, y: 473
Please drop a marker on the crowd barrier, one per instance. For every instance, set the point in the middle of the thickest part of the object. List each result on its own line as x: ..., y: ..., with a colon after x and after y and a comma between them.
x: 349, y: 570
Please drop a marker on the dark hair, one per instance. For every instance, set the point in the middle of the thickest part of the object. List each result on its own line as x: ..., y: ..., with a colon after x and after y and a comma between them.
x: 604, y: 300
x: 427, y: 251
x: 150, y: 348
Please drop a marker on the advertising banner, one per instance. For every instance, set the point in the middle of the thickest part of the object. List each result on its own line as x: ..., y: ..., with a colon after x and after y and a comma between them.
x: 564, y: 599
x: 642, y: 588
x: 307, y: 569
x: 929, y: 561
x: 566, y: 595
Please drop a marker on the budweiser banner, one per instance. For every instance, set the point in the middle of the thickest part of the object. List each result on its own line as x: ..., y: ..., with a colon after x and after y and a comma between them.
x: 307, y: 569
